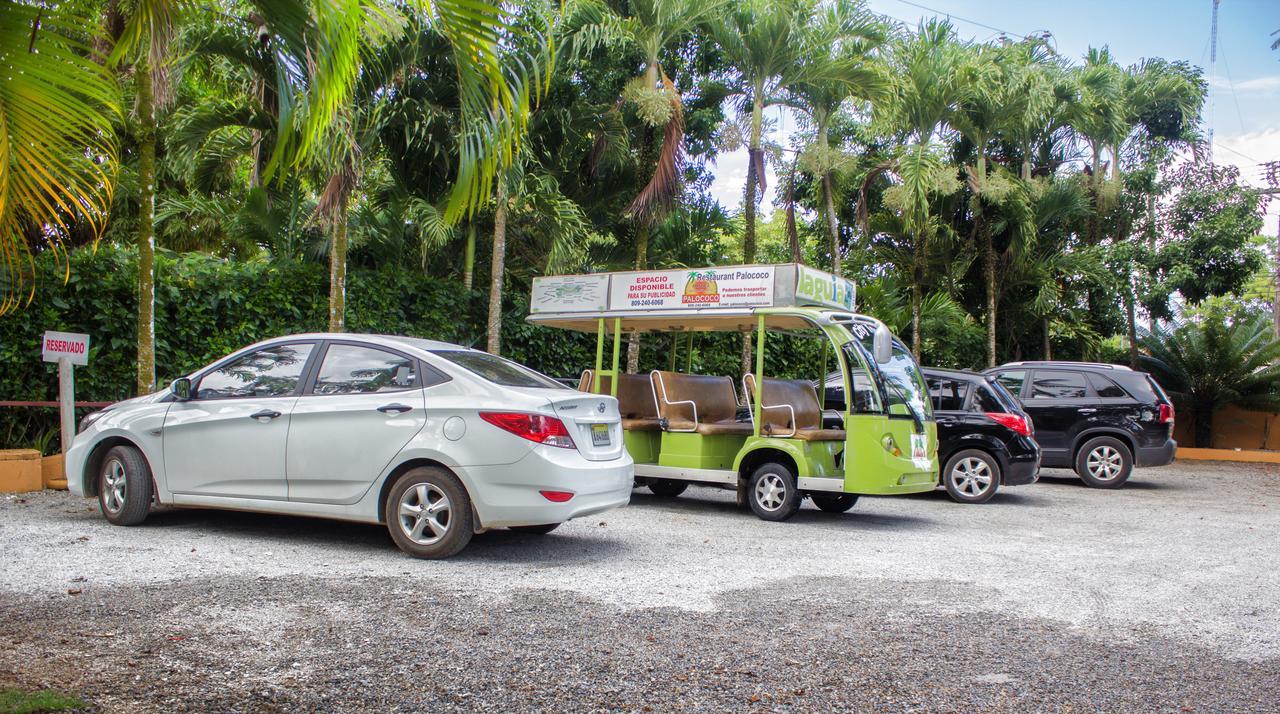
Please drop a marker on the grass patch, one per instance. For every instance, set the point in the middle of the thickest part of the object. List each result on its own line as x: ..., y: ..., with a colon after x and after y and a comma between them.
x: 16, y: 701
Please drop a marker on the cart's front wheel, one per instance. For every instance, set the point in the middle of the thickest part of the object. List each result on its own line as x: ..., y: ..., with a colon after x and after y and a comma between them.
x: 772, y: 492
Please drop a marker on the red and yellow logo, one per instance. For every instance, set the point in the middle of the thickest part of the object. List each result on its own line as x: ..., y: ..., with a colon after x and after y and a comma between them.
x: 701, y: 289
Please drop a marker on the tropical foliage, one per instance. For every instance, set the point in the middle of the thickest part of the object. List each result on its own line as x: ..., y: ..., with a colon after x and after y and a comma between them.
x: 993, y: 200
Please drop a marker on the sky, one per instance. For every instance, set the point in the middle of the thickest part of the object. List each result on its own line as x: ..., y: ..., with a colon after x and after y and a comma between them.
x: 1244, y: 105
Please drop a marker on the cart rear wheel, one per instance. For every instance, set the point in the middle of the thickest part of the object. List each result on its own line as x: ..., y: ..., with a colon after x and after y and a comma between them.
x: 772, y: 492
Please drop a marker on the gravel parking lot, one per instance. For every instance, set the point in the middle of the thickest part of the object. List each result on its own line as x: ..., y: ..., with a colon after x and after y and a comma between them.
x: 1162, y: 596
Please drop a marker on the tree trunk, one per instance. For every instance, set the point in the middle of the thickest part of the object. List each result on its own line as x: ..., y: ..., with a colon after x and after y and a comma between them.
x: 642, y: 262
x: 754, y: 164
x: 917, y: 295
x: 1048, y: 344
x: 1203, y: 423
x: 989, y: 276
x: 469, y: 258
x: 146, y: 374
x: 833, y: 226
x: 498, y: 270
x: 338, y: 270
x: 793, y: 236
x: 1131, y: 318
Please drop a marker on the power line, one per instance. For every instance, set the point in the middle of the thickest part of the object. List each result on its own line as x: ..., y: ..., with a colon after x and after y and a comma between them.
x: 962, y: 19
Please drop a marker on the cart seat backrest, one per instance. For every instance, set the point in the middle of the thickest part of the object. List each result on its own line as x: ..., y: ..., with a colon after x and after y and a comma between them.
x: 716, y: 400
x: 797, y: 393
x: 635, y: 393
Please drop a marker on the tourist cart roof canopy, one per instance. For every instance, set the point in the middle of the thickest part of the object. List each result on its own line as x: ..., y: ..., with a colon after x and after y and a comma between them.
x: 692, y: 299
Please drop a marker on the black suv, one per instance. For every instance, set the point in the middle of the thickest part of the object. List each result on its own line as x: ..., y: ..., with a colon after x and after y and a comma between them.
x: 1099, y: 419
x: 984, y: 438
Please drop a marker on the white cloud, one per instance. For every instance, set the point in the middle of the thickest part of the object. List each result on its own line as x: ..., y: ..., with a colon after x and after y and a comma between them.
x: 1246, y: 152
x: 1257, y: 84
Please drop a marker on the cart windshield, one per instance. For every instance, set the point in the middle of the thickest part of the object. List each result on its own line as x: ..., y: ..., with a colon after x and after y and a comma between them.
x: 902, y: 380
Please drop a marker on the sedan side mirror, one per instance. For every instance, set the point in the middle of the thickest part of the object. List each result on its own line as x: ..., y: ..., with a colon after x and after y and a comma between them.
x: 180, y: 388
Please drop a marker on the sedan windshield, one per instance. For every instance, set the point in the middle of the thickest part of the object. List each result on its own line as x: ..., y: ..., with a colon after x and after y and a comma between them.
x: 498, y: 370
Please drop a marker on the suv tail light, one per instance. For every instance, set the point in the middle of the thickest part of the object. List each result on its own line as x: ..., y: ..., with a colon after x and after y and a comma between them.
x: 534, y: 427
x: 1016, y: 422
x: 1166, y: 414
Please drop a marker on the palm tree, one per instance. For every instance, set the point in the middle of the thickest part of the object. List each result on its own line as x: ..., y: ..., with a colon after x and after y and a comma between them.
x: 926, y: 89
x: 649, y: 26
x: 1215, y: 362
x: 58, y: 148
x: 846, y: 68
x: 147, y: 31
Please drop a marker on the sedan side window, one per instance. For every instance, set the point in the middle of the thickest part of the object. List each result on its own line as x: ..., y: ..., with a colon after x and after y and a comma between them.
x: 1058, y: 385
x: 1012, y: 381
x: 269, y: 372
x: 947, y: 394
x: 353, y: 369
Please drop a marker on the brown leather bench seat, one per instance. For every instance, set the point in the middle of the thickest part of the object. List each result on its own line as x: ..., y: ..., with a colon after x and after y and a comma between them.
x: 715, y: 401
x: 776, y: 419
x: 635, y: 399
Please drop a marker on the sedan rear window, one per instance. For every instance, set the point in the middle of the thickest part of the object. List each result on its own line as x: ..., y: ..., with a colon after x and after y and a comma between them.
x: 498, y: 370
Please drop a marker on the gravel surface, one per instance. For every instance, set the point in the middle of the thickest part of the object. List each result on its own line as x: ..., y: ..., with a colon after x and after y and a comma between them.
x: 1163, y: 596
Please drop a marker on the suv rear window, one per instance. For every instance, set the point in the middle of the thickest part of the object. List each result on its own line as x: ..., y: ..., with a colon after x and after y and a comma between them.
x: 1104, y: 387
x: 1058, y: 385
x: 498, y: 370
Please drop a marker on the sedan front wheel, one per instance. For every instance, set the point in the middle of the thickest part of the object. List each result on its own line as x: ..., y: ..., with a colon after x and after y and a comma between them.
x: 124, y: 486
x: 428, y: 513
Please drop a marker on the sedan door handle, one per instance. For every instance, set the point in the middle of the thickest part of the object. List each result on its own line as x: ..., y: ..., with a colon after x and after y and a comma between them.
x: 265, y: 414
x: 1086, y: 410
x: 395, y: 408
x: 946, y: 422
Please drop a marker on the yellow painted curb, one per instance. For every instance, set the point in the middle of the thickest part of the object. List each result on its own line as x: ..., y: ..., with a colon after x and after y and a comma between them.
x: 1240, y: 455
x: 20, y: 471
x: 52, y: 473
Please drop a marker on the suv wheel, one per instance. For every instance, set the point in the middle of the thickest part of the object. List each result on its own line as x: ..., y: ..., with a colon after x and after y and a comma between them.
x: 1104, y: 462
x: 428, y: 513
x: 772, y: 492
x: 971, y: 476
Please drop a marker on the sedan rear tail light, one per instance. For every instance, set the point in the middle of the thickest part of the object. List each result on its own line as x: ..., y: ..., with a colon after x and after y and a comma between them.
x: 534, y: 427
x: 556, y: 496
x: 1016, y: 422
x: 1166, y: 414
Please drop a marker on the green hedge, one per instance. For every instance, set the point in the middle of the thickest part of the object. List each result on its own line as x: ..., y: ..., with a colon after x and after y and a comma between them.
x: 208, y: 307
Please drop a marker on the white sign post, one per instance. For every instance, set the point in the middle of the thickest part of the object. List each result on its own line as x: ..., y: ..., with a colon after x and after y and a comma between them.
x: 67, y: 349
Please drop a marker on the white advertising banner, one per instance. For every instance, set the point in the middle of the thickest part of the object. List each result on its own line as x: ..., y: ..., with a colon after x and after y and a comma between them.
x: 569, y: 293
x: 743, y: 286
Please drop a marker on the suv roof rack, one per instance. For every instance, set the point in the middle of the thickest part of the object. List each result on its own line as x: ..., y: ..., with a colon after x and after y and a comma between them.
x: 1066, y: 363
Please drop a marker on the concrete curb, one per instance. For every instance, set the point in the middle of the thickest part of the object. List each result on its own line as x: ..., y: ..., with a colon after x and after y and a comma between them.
x: 1238, y: 455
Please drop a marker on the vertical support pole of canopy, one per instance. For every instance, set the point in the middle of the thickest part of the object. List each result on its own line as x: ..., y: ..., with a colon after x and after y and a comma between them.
x: 595, y: 384
x: 755, y: 423
x: 617, y: 347
x: 688, y: 357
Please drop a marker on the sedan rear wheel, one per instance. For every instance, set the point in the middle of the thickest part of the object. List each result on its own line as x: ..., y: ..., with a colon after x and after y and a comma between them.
x: 428, y: 513
x: 971, y: 476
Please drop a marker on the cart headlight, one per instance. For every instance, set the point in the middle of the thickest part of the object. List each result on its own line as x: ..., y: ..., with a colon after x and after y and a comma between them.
x: 89, y: 419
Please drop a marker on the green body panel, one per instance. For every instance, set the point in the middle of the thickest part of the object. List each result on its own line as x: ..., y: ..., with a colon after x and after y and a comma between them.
x: 816, y: 459
x: 870, y: 469
x: 699, y: 451
x: 643, y: 446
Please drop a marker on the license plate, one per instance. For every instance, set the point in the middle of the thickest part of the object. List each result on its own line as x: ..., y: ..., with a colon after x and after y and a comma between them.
x: 599, y: 434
